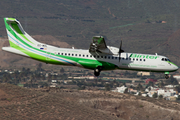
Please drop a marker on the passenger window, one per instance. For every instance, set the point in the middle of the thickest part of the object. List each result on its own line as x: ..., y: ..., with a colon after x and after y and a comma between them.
x: 109, y: 57
x: 83, y: 55
x: 86, y: 55
x: 69, y: 54
x: 65, y: 53
x: 122, y: 58
x: 90, y: 55
x: 144, y: 59
x: 126, y: 58
x: 162, y: 59
x: 101, y: 56
x: 133, y: 59
x: 72, y: 54
x: 75, y: 54
x: 94, y: 56
x: 61, y: 53
x: 112, y: 57
x: 79, y: 55
x: 140, y: 59
x: 115, y: 57
x: 105, y: 57
x: 136, y: 59
x: 97, y: 56
x: 129, y: 58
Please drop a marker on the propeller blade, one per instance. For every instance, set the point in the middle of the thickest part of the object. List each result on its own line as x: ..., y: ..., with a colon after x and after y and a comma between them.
x: 120, y: 51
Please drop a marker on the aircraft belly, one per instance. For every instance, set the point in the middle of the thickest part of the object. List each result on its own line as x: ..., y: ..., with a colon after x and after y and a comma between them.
x: 140, y: 65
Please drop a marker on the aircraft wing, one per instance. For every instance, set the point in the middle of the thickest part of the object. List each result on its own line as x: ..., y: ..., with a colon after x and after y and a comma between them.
x: 99, y: 45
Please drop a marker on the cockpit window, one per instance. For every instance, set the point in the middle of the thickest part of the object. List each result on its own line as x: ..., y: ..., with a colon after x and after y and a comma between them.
x: 165, y: 59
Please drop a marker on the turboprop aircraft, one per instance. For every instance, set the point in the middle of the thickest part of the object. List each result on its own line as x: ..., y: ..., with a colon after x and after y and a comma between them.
x: 99, y: 57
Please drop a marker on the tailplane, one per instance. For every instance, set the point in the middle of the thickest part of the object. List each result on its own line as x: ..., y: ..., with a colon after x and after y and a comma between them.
x: 16, y: 34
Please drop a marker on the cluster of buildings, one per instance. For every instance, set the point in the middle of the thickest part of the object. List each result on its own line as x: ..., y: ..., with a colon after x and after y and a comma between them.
x: 168, y: 93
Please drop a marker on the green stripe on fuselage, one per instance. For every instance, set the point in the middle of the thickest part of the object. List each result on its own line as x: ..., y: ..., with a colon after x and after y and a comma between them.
x: 87, y: 63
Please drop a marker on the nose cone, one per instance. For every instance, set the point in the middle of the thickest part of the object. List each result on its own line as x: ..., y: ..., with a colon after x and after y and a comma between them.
x: 175, y: 67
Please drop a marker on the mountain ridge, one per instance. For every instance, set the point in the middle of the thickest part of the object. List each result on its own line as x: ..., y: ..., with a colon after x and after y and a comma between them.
x: 138, y: 23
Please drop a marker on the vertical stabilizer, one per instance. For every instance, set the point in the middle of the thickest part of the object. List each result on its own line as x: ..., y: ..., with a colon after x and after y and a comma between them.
x: 16, y: 34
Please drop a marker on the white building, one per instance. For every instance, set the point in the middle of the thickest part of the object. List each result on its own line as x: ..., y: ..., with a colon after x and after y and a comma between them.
x: 143, y: 73
x: 176, y: 76
x: 170, y: 86
x: 120, y: 89
x: 166, y: 93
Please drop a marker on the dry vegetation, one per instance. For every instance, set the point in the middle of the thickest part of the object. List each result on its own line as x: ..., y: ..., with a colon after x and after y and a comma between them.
x: 21, y: 103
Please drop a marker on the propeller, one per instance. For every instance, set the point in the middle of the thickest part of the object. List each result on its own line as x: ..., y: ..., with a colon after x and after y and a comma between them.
x: 120, y: 51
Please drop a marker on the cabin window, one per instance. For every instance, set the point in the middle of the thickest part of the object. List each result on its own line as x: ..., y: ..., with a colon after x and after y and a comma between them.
x: 116, y: 58
x: 75, y: 54
x: 69, y: 54
x: 90, y: 55
x: 140, y: 59
x: 112, y: 57
x: 86, y: 55
x: 79, y: 55
x: 126, y: 58
x: 61, y: 53
x: 83, y: 55
x: 97, y: 56
x: 105, y: 57
x: 109, y: 57
x: 65, y: 53
x: 58, y: 53
x: 122, y: 58
x: 72, y: 54
x: 144, y: 59
x: 129, y: 58
x: 136, y: 59
x: 101, y: 56
x: 162, y: 59
x: 94, y: 56
x: 133, y: 59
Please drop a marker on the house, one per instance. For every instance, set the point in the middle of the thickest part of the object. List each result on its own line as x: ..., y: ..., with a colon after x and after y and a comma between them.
x: 170, y: 86
x: 53, y: 85
x: 143, y: 73
x: 166, y: 93
x: 150, y: 80
x: 132, y: 90
x: 120, y: 89
x: 176, y: 76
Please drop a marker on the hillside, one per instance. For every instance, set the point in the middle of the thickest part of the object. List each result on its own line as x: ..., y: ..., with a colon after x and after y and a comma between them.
x: 21, y: 103
x: 138, y: 23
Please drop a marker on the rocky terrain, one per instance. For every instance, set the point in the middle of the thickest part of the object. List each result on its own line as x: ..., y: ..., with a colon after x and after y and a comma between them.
x: 22, y: 103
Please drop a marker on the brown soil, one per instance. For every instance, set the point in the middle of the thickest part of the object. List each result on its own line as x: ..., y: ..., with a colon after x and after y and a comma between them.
x: 22, y: 103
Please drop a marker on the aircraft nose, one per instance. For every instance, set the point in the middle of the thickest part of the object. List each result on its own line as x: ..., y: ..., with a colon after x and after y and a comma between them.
x: 175, y: 67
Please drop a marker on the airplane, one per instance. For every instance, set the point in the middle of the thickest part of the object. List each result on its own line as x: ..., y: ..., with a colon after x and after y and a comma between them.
x: 99, y: 57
